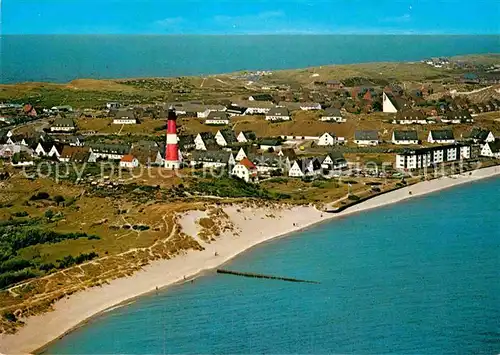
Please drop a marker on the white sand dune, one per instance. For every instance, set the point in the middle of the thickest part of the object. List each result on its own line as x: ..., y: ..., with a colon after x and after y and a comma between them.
x: 251, y: 227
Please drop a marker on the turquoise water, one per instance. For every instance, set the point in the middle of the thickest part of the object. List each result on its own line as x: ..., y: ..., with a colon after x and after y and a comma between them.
x: 61, y: 58
x: 420, y: 276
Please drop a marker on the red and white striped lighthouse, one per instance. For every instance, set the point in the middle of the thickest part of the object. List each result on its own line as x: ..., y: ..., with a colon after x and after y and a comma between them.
x: 172, y: 161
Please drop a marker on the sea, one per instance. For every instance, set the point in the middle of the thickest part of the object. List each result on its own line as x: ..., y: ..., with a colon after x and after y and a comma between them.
x: 416, y: 277
x: 62, y: 58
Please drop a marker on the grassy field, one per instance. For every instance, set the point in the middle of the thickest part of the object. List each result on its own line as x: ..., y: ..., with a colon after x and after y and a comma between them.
x: 106, y: 126
x: 210, y: 89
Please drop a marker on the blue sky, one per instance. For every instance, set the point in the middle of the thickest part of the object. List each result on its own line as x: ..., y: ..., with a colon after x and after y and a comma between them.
x: 250, y: 16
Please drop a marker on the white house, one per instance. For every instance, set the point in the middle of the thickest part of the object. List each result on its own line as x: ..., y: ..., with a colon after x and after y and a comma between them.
x: 124, y: 117
x: 241, y: 155
x: 245, y: 170
x: 305, y: 167
x: 245, y: 136
x: 443, y: 136
x: 55, y: 151
x: 457, y: 117
x: 407, y: 117
x: 203, y: 140
x: 112, y: 105
x: 388, y: 104
x: 212, y: 159
x: 225, y: 137
x: 255, y: 107
x: 63, y: 125
x: 427, y: 157
x: 270, y: 144
x: 260, y: 97
x: 332, y: 114
x: 366, y: 138
x: 195, y: 109
x: 234, y: 110
x: 309, y: 106
x: 278, y: 114
x: 266, y: 163
x: 404, y: 137
x: 327, y: 139
x: 334, y: 161
x: 129, y: 161
x: 491, y: 149
x: 479, y: 135
x: 217, y: 118
x: 62, y: 108
x: 108, y: 151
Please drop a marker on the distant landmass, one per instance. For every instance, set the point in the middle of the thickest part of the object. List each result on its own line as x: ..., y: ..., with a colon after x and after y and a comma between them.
x: 62, y: 58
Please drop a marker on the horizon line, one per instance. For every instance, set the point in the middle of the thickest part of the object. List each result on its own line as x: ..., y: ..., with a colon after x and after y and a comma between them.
x: 256, y: 34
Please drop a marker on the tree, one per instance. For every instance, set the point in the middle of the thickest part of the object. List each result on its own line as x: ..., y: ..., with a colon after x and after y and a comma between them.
x: 49, y: 214
x: 58, y: 199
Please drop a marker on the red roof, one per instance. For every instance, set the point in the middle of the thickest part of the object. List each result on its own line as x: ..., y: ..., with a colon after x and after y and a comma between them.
x: 247, y: 163
x: 127, y: 158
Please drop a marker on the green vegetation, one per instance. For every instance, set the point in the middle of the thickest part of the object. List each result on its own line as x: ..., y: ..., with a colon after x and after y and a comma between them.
x: 231, y: 187
x: 17, y: 235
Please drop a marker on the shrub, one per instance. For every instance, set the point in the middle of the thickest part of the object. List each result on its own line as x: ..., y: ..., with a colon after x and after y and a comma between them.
x: 20, y: 214
x: 40, y: 196
x: 353, y: 197
x: 9, y: 278
x: 140, y: 227
x: 49, y: 214
x: 11, y: 317
x: 46, y: 267
x: 58, y: 199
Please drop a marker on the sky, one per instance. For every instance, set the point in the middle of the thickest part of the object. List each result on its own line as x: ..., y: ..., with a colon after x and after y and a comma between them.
x: 250, y: 17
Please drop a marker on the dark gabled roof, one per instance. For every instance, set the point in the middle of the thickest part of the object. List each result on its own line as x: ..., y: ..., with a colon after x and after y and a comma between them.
x: 409, y: 115
x: 406, y: 135
x: 336, y: 156
x: 125, y: 114
x: 249, y: 134
x: 366, y: 135
x: 458, y: 115
x: 304, y: 163
x: 110, y: 148
x: 63, y: 122
x: 278, y: 111
x: 262, y: 97
x: 495, y: 146
x: 398, y: 102
x: 228, y: 135
x: 478, y: 133
x: 206, y: 136
x: 431, y: 149
x: 268, y: 160
x: 332, y: 111
x: 442, y: 134
x: 77, y: 154
x: 217, y: 115
x: 289, y: 153
x: 47, y: 146
x: 236, y: 109
x: 186, y: 140
x: 214, y: 156
x: 270, y: 141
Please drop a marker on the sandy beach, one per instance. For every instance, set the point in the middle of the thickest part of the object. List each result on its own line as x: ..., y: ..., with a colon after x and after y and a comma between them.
x: 252, y: 226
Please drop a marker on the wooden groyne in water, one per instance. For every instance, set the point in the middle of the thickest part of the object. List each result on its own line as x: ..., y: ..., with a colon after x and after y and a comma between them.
x: 261, y: 276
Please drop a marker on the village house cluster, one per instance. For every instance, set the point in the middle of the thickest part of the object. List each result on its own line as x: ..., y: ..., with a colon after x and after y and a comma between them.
x: 250, y: 157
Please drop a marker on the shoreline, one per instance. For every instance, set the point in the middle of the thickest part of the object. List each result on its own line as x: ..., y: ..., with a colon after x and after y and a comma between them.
x: 77, y: 310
